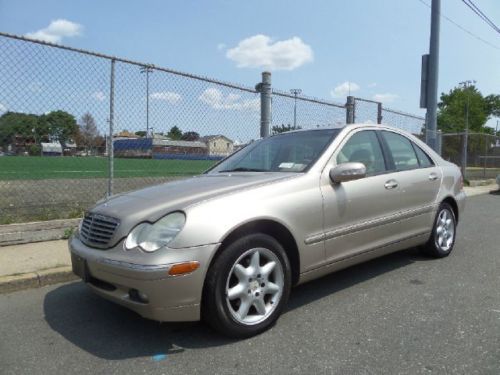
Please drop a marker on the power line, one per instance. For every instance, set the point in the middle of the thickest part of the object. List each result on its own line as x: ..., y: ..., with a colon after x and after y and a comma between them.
x: 481, y: 15
x: 463, y: 28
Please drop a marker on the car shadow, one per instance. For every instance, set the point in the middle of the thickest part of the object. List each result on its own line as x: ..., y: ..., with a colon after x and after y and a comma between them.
x: 110, y: 331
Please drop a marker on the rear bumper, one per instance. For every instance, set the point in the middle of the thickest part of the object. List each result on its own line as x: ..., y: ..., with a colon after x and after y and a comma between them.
x: 460, y: 199
x: 112, y: 275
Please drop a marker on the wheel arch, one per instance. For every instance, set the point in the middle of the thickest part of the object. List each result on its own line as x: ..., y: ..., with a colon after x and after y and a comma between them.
x: 272, y: 228
x: 453, y: 203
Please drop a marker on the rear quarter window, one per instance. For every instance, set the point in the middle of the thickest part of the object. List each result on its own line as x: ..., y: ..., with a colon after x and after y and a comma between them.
x: 424, y: 159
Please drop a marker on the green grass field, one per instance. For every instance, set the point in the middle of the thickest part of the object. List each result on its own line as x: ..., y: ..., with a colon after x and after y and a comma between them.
x: 37, y: 167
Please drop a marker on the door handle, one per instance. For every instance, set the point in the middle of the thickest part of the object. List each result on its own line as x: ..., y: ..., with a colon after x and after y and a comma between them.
x: 433, y: 177
x: 391, y: 184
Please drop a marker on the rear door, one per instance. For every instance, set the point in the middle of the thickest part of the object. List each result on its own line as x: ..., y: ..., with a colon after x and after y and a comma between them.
x: 419, y: 181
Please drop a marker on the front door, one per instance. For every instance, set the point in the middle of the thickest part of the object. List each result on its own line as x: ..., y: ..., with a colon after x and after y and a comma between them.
x: 360, y: 215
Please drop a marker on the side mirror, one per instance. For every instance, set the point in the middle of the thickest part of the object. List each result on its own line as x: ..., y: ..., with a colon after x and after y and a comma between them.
x: 347, y: 172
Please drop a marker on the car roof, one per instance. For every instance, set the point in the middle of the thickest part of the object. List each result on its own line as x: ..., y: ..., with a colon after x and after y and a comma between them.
x: 347, y: 127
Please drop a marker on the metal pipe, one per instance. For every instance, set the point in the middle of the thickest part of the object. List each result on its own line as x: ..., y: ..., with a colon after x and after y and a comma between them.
x: 433, y: 74
x: 111, y: 125
x: 265, y: 104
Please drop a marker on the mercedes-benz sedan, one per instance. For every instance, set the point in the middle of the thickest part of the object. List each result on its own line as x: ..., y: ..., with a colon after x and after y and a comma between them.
x: 228, y: 245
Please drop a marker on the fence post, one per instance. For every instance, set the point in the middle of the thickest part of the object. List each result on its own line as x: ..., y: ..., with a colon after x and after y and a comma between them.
x: 465, y: 146
x: 350, y: 107
x: 485, y: 156
x: 265, y: 90
x: 379, y: 113
x: 439, y: 142
x: 111, y: 123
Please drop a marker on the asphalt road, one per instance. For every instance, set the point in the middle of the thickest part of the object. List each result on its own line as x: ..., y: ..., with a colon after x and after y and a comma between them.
x: 402, y: 314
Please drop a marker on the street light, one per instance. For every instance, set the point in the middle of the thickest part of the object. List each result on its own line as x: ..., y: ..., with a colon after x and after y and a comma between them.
x: 147, y: 70
x: 295, y: 92
x: 465, y: 85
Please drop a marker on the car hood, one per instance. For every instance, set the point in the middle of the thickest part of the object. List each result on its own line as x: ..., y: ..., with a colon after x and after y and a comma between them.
x: 151, y: 203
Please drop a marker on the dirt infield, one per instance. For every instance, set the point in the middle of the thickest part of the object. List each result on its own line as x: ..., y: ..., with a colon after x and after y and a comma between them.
x: 32, y: 200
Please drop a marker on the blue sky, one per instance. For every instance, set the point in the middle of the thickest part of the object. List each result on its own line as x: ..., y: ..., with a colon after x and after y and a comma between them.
x: 375, y: 45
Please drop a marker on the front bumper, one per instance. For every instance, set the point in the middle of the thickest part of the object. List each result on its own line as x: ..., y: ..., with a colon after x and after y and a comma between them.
x: 120, y: 276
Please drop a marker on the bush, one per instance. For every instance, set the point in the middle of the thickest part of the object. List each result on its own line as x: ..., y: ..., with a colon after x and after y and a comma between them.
x: 35, y: 150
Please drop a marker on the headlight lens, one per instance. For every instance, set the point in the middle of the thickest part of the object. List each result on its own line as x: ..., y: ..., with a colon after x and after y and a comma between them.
x: 151, y: 237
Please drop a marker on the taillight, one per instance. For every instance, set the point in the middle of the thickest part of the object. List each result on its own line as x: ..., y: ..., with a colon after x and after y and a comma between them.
x: 461, y: 182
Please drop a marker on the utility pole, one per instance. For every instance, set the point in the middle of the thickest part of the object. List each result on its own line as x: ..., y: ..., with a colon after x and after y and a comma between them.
x: 295, y: 93
x: 466, y: 87
x: 432, y: 76
x: 147, y: 70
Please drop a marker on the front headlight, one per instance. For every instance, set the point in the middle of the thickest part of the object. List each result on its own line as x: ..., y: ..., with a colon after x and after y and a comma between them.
x: 151, y: 237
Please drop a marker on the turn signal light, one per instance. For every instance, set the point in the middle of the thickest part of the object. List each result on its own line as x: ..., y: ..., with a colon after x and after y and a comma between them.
x: 183, y: 268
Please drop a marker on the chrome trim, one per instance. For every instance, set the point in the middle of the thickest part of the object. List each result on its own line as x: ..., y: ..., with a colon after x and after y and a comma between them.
x: 350, y: 229
x: 134, y: 266
x: 97, y: 230
x: 351, y: 256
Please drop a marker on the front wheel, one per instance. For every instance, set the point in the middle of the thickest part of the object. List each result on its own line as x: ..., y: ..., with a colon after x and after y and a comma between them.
x: 247, y: 286
x: 443, y: 235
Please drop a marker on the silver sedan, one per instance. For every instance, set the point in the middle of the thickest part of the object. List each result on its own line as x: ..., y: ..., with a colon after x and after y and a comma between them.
x: 227, y: 246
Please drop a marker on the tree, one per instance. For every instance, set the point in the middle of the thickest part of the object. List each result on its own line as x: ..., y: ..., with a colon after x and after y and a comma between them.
x: 175, y: 133
x: 88, y: 132
x: 190, y: 136
x: 452, y: 110
x: 60, y: 126
x: 276, y: 129
x: 22, y: 125
x: 140, y: 133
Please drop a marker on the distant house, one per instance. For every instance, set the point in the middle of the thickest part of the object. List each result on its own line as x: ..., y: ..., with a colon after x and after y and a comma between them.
x: 218, y: 145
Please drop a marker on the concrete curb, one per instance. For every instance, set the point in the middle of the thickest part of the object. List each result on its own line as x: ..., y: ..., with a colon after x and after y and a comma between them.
x: 13, y: 283
x: 15, y: 234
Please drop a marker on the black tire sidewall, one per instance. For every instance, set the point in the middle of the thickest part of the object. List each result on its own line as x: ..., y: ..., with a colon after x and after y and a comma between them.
x: 432, y: 246
x: 218, y: 312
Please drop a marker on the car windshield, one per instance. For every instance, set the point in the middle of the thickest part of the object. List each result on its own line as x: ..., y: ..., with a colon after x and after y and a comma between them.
x: 288, y: 152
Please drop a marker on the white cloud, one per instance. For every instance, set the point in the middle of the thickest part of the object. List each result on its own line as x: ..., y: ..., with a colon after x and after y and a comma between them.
x: 56, y: 31
x: 221, y: 46
x: 216, y: 99
x: 99, y: 95
x: 385, y: 98
x: 3, y: 108
x: 344, y: 89
x: 372, y: 85
x: 168, y: 96
x: 259, y: 51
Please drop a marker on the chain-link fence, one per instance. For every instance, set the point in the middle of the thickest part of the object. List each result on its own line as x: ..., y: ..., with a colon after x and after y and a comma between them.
x: 291, y: 111
x: 478, y: 154
x: 76, y: 126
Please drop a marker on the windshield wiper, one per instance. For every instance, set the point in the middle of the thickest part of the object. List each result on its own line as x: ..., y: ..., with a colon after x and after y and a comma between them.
x: 244, y: 169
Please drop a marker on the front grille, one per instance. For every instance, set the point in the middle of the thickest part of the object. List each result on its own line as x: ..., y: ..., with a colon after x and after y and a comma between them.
x: 97, y: 230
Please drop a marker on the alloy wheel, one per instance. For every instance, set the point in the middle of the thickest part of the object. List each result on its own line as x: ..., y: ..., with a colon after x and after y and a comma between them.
x: 254, y: 286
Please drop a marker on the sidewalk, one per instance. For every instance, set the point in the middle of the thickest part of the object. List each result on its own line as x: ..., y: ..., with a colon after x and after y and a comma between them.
x: 34, y: 265
x: 43, y: 263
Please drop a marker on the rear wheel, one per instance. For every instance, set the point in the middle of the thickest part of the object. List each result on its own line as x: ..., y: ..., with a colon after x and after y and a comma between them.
x: 247, y: 286
x: 442, y: 240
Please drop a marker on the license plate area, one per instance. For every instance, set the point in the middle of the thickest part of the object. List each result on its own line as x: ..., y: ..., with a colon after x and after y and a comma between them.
x: 80, y: 267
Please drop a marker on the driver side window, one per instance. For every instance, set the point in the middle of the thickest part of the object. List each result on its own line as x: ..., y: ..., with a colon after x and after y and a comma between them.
x: 364, y: 147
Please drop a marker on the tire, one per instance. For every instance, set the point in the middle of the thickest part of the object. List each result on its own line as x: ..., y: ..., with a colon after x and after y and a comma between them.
x: 444, y: 232
x: 244, y: 294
